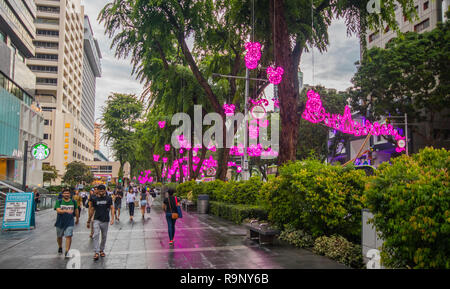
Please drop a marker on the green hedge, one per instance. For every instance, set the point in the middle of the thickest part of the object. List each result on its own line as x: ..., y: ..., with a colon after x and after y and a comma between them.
x: 338, y: 248
x: 318, y: 198
x: 237, y: 213
x: 410, y: 200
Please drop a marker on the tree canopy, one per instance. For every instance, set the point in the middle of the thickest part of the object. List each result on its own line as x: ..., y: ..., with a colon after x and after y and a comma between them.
x: 410, y: 76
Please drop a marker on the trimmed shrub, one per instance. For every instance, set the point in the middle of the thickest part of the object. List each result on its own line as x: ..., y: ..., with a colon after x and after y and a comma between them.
x: 298, y: 238
x: 340, y: 249
x: 318, y: 198
x: 410, y: 200
x: 184, y: 188
x: 237, y: 213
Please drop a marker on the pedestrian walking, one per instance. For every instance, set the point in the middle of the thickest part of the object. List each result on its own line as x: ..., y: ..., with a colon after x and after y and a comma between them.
x: 118, y: 196
x: 84, y: 197
x: 66, y: 209
x: 144, y: 201
x: 37, y: 199
x: 170, y: 208
x: 77, y: 198
x: 131, y: 197
x: 101, y: 207
x: 92, y: 195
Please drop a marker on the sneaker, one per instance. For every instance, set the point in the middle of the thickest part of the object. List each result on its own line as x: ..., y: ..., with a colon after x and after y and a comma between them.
x: 96, y: 256
x: 171, y: 243
x: 65, y: 254
x: 60, y: 251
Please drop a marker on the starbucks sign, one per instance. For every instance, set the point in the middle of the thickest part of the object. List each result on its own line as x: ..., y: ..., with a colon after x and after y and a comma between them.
x: 40, y: 151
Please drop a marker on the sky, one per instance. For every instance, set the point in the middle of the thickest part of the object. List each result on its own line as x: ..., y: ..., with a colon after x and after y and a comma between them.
x: 332, y: 69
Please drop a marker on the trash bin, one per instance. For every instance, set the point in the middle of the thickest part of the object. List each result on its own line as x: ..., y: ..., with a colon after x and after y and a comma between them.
x: 203, y: 204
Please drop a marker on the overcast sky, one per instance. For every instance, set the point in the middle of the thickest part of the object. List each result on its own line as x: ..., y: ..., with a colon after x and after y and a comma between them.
x: 333, y: 69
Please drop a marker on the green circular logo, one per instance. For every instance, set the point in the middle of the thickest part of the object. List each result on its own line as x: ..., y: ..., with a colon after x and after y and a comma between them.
x: 40, y: 151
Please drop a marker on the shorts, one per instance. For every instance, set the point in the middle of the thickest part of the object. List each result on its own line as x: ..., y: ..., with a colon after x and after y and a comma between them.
x: 68, y: 232
x: 143, y: 203
x: 117, y: 205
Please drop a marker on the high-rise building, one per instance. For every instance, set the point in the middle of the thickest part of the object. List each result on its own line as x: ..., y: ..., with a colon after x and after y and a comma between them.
x: 91, y: 69
x: 429, y: 12
x: 58, y: 66
x: 20, y: 117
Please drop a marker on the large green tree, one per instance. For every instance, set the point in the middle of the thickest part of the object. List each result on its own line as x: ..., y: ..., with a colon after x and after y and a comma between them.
x: 155, y: 34
x: 410, y: 76
x: 77, y: 173
x: 120, y: 114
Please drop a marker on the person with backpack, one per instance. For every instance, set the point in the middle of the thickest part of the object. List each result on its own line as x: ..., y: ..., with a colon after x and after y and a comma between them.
x: 100, y: 208
x: 170, y: 208
x: 66, y: 210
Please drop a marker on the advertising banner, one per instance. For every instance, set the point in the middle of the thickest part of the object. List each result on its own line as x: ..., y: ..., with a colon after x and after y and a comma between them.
x: 19, y: 211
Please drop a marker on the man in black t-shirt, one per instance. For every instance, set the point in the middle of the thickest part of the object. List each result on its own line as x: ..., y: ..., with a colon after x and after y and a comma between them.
x: 100, y: 206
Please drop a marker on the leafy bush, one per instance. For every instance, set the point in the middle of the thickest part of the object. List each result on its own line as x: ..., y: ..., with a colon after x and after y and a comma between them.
x: 298, y: 238
x: 340, y: 249
x: 184, y: 188
x: 410, y: 200
x: 318, y: 198
x: 237, y: 213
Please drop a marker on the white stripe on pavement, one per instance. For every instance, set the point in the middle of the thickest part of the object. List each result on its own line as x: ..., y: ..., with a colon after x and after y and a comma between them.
x: 140, y: 252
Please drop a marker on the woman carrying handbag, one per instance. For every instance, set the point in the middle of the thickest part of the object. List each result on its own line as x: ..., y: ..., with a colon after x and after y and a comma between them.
x: 170, y: 208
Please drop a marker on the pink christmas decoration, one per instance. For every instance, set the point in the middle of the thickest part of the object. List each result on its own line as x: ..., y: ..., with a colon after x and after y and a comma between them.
x: 276, y: 102
x: 253, y: 54
x: 275, y: 74
x: 315, y: 113
x: 161, y: 124
x: 164, y: 160
x: 155, y: 158
x: 167, y: 147
x: 229, y: 109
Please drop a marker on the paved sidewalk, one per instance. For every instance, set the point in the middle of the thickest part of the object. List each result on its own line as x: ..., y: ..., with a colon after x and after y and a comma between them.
x: 201, y: 242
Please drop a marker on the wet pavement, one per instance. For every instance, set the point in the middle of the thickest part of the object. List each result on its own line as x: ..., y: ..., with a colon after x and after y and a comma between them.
x: 201, y: 242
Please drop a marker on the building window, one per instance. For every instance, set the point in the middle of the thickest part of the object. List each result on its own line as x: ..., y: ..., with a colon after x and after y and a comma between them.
x: 46, y: 56
x: 46, y: 122
x: 47, y: 21
x: 426, y: 5
x: 49, y: 69
x: 46, y: 81
x: 45, y: 135
x: 48, y: 9
x: 421, y: 26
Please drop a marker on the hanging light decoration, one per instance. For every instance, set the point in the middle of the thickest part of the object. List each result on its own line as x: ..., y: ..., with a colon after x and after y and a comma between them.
x: 253, y: 54
x: 275, y: 74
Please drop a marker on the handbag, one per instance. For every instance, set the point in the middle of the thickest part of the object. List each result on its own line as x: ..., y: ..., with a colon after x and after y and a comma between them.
x: 180, y: 212
x: 174, y: 215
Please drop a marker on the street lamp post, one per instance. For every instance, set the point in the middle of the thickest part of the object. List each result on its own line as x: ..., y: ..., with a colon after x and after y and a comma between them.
x: 25, y: 164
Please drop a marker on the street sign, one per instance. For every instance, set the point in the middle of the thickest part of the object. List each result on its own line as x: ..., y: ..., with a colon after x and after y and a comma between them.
x: 401, y: 143
x: 19, y: 211
x: 40, y: 151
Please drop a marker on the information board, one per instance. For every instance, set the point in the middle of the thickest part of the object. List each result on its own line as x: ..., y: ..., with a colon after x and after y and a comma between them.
x: 19, y: 211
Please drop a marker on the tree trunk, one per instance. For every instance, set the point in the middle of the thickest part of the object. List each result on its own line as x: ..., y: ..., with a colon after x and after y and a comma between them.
x: 288, y: 88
